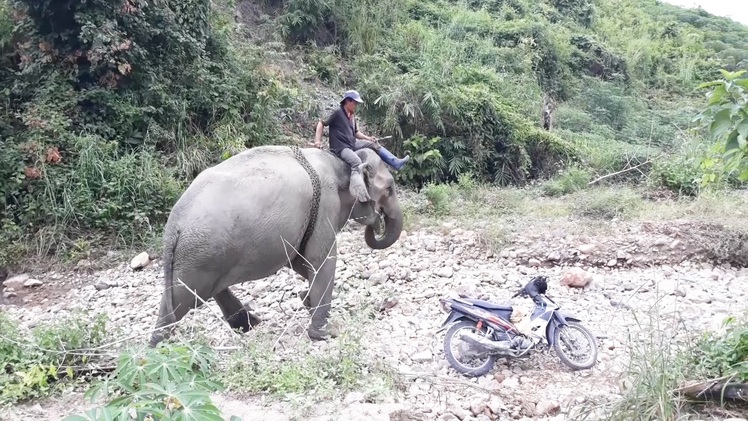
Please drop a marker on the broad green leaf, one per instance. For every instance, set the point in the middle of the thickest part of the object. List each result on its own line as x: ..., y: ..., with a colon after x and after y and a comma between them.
x: 720, y: 124
x: 732, y: 75
x: 99, y: 414
x: 735, y: 110
x: 717, y: 94
x: 743, y: 127
x: 743, y: 175
x: 710, y: 84
x: 732, y: 144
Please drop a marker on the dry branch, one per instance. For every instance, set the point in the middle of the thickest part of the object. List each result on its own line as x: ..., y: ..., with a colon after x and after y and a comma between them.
x: 722, y: 389
x: 635, y: 167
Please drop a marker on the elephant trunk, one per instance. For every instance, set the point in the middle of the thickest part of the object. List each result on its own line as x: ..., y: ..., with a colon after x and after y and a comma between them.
x: 393, y: 226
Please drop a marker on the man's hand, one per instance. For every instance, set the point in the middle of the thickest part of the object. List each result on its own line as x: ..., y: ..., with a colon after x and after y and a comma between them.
x: 318, y: 134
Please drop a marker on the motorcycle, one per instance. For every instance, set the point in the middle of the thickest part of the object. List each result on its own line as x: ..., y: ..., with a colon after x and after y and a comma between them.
x: 488, y: 334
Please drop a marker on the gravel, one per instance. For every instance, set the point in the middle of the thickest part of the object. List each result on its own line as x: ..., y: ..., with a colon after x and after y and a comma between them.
x: 403, y: 284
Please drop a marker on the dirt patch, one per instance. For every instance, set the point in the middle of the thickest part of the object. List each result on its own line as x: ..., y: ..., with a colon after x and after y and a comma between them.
x: 42, y: 297
x: 634, y: 245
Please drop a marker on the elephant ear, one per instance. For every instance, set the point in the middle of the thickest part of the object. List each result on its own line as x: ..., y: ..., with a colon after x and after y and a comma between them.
x: 371, y: 162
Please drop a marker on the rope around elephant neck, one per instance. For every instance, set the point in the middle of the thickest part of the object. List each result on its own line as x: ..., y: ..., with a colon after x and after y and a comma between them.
x: 316, y: 196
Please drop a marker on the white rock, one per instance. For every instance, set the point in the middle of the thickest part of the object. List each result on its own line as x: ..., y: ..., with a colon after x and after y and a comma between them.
x: 477, y: 406
x: 378, y: 278
x: 354, y: 398
x: 510, y: 382
x: 587, y: 248
x: 140, y: 261
x: 422, y: 357
x: 445, y: 272
x: 16, y: 282
x: 32, y: 283
x: 546, y: 407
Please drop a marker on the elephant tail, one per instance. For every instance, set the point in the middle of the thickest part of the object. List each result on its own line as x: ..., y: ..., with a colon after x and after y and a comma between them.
x: 170, y: 248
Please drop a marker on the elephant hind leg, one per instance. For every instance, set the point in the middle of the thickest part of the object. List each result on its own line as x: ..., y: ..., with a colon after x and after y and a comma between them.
x: 183, y: 300
x: 235, y: 313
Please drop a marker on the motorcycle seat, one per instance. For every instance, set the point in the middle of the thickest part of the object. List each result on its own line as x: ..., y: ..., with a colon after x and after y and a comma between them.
x: 489, y: 305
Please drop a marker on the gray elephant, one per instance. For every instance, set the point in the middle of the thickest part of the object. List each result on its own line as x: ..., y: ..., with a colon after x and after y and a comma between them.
x: 260, y: 210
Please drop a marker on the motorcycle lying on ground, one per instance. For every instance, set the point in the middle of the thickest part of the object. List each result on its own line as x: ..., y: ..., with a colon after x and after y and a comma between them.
x: 487, y: 333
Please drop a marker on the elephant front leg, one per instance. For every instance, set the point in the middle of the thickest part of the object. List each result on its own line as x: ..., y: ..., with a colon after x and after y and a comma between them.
x: 319, y: 299
x: 235, y: 313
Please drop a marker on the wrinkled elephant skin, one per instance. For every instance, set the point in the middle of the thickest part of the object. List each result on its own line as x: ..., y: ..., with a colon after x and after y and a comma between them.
x: 244, y: 220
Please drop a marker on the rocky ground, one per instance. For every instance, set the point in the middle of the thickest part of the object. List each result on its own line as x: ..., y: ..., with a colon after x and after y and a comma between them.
x: 403, y: 285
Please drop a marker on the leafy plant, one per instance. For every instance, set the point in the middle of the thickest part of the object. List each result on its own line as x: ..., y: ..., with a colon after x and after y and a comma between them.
x: 439, y: 198
x: 111, y: 107
x: 569, y: 181
x: 426, y: 161
x: 172, y: 381
x: 36, y: 364
x: 723, y: 354
x: 726, y: 117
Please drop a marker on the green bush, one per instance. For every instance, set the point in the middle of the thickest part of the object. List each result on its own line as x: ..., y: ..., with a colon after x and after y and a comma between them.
x: 569, y: 181
x: 34, y: 365
x: 717, y: 355
x: 172, y: 381
x: 659, y: 367
x: 111, y: 107
x: 679, y: 174
x: 439, y: 197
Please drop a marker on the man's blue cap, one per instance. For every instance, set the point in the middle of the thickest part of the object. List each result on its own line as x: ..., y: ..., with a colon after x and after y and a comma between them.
x: 352, y: 95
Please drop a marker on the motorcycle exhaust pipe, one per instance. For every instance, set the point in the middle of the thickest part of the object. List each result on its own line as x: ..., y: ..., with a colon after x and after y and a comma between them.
x: 487, y: 345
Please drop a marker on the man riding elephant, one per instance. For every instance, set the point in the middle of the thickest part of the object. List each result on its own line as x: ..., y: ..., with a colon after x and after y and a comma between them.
x: 345, y: 139
x: 263, y: 209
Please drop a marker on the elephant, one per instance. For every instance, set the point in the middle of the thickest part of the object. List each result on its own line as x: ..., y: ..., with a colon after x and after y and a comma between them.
x: 263, y: 209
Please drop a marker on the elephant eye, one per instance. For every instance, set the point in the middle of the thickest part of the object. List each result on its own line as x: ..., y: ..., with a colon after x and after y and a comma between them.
x: 389, y: 191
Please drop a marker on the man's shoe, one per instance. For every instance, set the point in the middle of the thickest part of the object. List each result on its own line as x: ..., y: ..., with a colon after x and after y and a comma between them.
x: 357, y: 186
x: 392, y: 160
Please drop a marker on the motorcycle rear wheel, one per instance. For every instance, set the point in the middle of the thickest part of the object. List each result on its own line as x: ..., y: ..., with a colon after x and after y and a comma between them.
x: 590, y: 340
x: 487, y: 362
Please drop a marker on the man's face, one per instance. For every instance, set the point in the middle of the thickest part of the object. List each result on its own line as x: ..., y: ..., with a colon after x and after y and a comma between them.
x: 351, y: 105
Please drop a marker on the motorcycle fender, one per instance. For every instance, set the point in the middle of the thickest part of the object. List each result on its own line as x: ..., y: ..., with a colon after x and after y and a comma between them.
x: 452, y: 318
x: 558, y: 319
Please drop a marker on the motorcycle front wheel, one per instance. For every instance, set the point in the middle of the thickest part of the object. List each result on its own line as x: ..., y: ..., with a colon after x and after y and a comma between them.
x: 581, y: 348
x: 460, y: 355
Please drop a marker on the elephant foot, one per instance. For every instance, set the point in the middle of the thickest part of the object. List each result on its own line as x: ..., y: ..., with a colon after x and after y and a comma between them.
x: 243, y: 320
x: 322, y: 334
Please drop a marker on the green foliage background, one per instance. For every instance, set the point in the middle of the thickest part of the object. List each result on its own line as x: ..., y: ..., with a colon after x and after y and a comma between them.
x: 109, y: 108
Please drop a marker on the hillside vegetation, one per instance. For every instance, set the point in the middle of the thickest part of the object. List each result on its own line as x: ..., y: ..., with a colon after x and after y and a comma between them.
x: 110, y: 108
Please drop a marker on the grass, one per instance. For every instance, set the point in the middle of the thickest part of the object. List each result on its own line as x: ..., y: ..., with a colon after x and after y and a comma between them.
x: 483, y: 204
x: 659, y: 366
x: 308, y: 372
x: 41, y: 361
x: 35, y: 365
